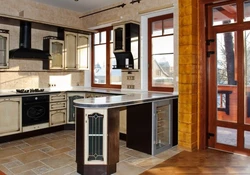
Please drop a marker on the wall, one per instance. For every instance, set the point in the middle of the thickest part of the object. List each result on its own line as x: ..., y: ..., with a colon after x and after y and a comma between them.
x: 130, y: 12
x: 28, y: 73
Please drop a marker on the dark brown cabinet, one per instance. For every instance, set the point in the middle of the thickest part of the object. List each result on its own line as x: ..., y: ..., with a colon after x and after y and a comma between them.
x: 126, y: 45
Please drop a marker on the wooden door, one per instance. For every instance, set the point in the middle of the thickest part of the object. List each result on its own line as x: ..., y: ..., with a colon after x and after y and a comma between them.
x: 228, y: 54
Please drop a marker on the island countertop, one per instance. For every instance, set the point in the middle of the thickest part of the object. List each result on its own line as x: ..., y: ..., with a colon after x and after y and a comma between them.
x: 128, y: 98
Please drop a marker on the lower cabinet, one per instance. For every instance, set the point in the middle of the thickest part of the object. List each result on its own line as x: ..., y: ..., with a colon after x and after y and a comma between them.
x: 58, y: 112
x: 57, y: 117
x: 10, y: 116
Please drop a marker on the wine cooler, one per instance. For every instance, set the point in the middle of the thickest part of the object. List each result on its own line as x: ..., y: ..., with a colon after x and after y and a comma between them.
x: 162, y: 126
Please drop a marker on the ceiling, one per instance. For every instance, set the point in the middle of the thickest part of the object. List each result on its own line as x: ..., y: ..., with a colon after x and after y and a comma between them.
x: 82, y: 6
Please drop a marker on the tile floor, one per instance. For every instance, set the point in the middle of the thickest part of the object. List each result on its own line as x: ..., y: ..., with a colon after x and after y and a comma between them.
x: 54, y: 154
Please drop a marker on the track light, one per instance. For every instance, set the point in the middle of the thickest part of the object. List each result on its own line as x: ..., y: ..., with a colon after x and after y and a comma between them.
x: 134, y: 1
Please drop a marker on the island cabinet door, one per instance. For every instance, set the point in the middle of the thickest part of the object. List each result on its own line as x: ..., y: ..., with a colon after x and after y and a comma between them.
x: 95, y: 136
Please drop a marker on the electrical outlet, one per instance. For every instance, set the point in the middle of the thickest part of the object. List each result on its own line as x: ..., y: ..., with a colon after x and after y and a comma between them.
x: 130, y: 77
x: 130, y: 86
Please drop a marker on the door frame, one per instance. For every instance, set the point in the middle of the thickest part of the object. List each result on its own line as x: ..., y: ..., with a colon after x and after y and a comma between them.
x: 203, y: 77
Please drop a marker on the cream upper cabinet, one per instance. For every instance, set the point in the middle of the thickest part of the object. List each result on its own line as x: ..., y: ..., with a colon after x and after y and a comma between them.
x: 83, y: 51
x: 55, y: 48
x: 10, y: 116
x: 4, y: 48
x: 76, y: 51
x: 70, y: 50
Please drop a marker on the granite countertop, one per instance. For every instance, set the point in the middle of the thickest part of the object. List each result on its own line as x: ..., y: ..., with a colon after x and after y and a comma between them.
x: 118, y: 97
x: 129, y: 98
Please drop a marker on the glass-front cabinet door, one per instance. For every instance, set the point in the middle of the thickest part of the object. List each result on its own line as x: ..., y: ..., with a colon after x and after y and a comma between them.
x: 4, y: 48
x: 56, y: 52
x: 70, y: 50
x: 162, y: 126
x: 83, y: 51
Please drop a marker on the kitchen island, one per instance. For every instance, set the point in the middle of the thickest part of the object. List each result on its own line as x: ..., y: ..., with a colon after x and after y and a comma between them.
x: 97, y: 128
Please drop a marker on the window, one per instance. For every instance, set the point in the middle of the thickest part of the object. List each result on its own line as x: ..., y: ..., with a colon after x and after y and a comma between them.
x: 103, y: 60
x: 161, y: 53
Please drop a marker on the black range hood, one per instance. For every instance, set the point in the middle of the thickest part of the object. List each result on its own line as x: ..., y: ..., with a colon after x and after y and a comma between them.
x: 25, y: 50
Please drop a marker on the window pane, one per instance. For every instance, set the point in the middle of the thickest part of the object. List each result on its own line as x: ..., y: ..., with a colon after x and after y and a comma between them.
x: 247, y: 74
x: 163, y: 44
x: 226, y: 14
x: 247, y: 11
x: 115, y: 74
x: 103, y: 37
x: 100, y: 64
x: 163, y: 70
x: 157, y: 28
x: 97, y: 38
x: 168, y: 26
x: 111, y: 37
x: 226, y: 136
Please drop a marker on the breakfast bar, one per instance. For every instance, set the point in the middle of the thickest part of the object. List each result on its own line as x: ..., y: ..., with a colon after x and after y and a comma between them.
x: 97, y: 128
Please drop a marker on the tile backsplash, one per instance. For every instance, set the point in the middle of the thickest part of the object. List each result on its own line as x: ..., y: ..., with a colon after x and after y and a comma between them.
x: 29, y: 74
x: 131, y: 80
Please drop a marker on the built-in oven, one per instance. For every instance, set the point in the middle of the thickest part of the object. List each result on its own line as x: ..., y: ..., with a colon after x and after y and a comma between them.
x: 35, y: 109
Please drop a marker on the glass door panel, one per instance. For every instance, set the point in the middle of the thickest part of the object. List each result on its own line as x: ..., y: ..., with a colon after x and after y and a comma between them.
x: 226, y: 136
x: 247, y: 11
x: 247, y: 75
x: 57, y: 54
x: 247, y: 139
x: 226, y: 78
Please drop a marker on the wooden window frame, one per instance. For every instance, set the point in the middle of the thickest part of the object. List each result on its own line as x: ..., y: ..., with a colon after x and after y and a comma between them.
x: 150, y: 76
x: 108, y: 66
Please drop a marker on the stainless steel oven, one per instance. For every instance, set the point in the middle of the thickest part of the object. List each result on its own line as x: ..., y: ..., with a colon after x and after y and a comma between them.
x: 35, y: 109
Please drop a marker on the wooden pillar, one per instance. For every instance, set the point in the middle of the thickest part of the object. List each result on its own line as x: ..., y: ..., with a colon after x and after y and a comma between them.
x: 188, y: 74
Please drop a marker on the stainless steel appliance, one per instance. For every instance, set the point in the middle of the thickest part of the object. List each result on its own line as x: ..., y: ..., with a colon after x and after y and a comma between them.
x: 35, y: 109
x: 162, y: 122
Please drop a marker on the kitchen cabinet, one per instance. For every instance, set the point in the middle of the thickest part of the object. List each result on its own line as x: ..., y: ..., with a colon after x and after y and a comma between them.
x: 55, y: 48
x: 70, y: 50
x: 71, y: 109
x: 83, y: 51
x: 4, y: 48
x: 119, y: 38
x: 76, y: 51
x: 58, y: 112
x: 126, y: 45
x: 10, y: 116
x: 157, y: 122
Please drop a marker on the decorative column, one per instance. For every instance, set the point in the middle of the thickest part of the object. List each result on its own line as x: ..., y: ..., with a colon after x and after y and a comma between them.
x: 188, y: 74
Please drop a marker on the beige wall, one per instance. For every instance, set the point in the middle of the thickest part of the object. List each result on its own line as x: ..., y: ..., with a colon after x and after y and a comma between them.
x: 42, y: 12
x: 129, y: 12
x: 28, y: 73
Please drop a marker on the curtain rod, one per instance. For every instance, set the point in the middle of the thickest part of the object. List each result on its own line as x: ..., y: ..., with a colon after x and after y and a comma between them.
x: 121, y: 5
